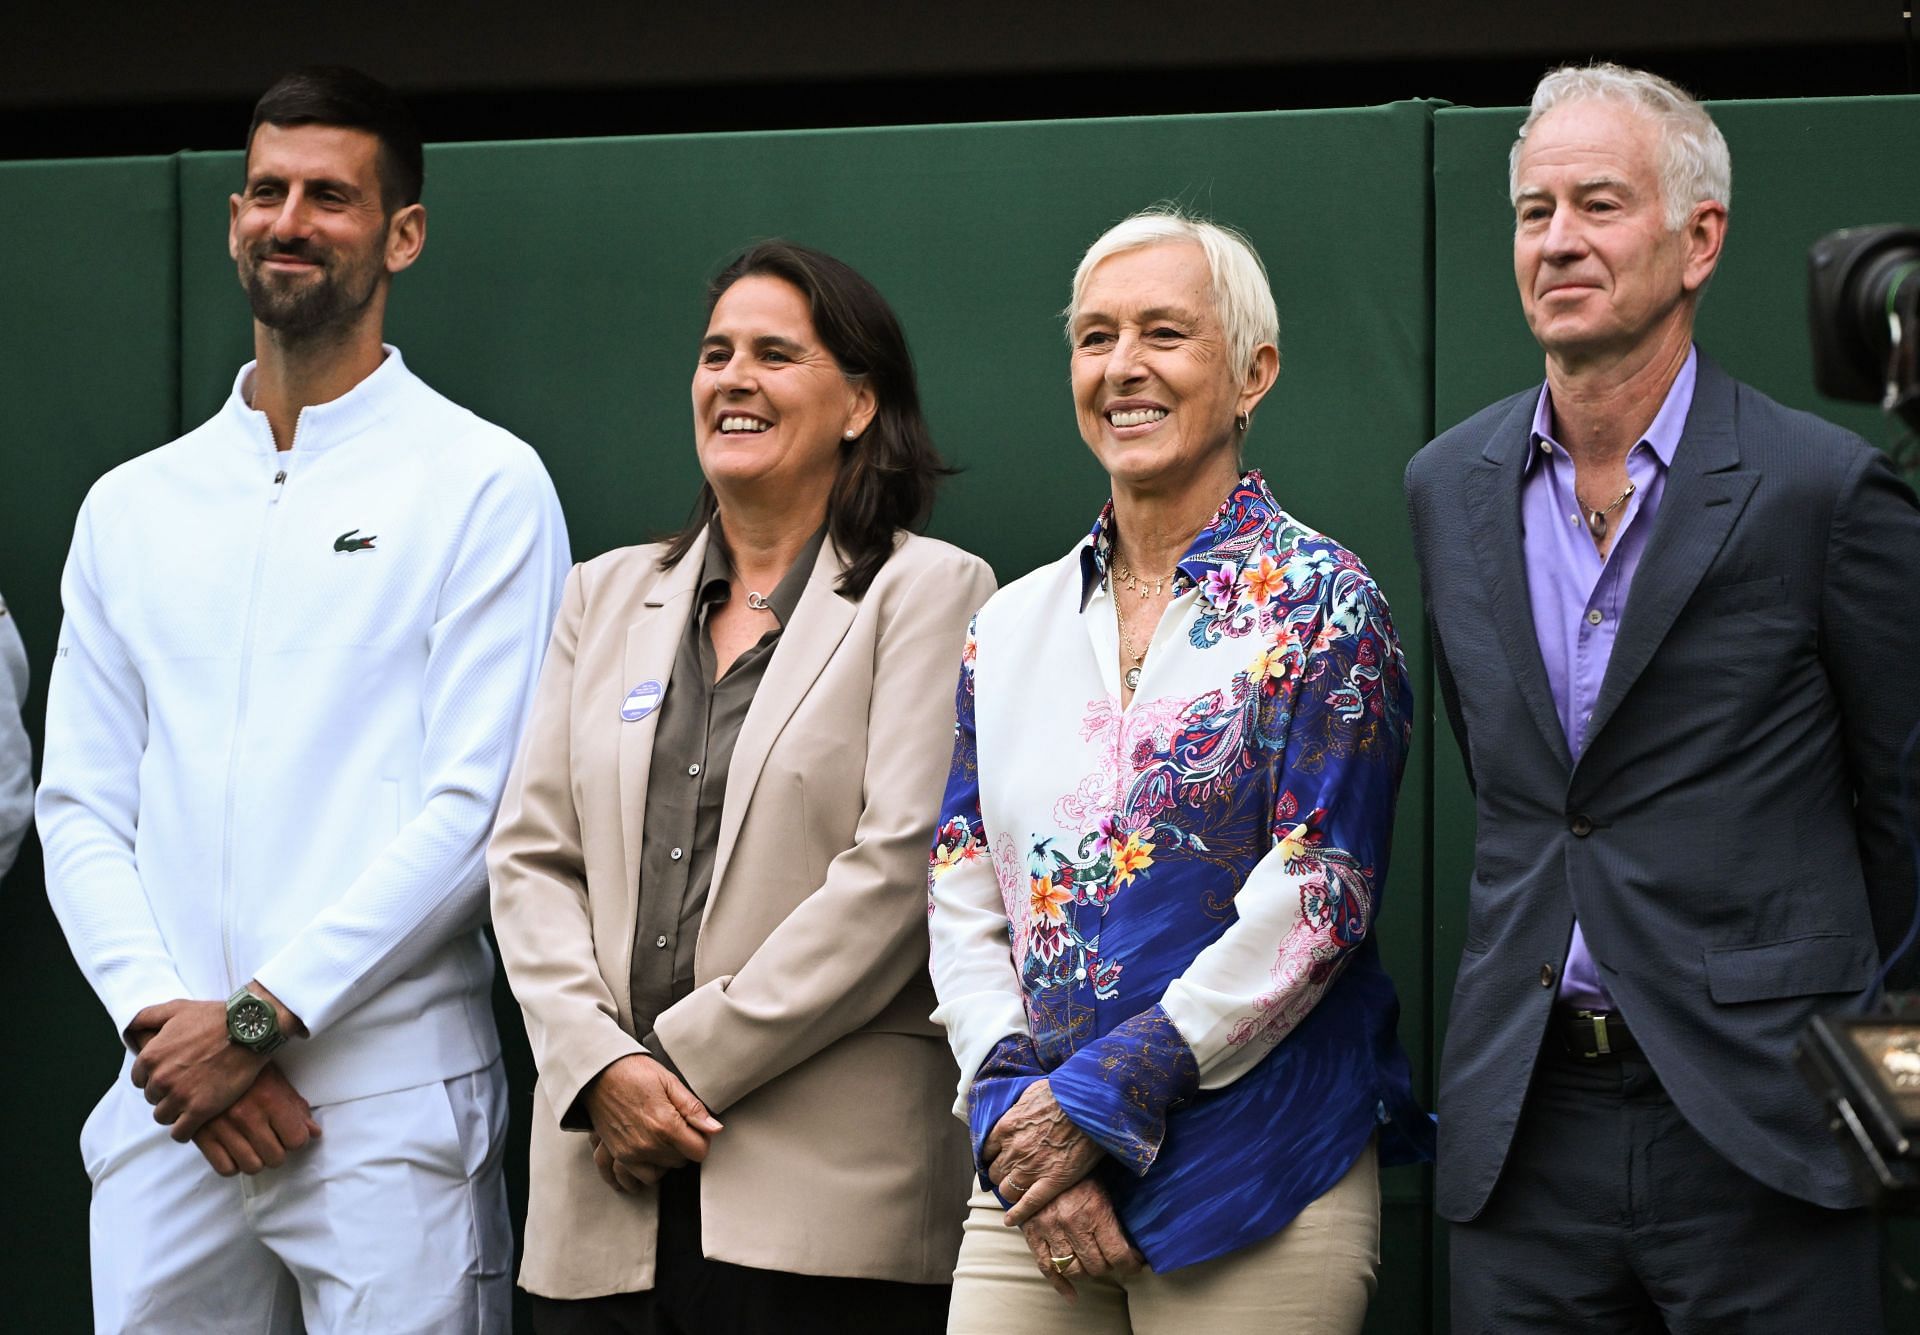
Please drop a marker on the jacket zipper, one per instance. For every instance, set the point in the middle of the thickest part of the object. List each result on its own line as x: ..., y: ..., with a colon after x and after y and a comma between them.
x: 276, y: 489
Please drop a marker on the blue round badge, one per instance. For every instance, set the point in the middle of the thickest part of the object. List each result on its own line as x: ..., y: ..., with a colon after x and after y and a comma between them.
x: 641, y: 701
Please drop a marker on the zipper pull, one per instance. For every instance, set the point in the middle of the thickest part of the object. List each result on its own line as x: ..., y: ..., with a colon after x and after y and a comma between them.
x: 279, y: 485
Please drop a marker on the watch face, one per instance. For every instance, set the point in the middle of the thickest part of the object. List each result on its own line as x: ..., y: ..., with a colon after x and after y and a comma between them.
x: 251, y: 1020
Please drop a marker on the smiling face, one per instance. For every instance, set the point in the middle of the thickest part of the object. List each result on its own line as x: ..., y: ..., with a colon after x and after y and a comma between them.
x: 1600, y: 273
x: 1153, y: 390
x: 771, y: 406
x: 310, y: 235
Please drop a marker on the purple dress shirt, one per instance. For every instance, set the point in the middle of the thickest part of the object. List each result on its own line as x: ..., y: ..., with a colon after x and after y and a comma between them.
x: 1577, y: 598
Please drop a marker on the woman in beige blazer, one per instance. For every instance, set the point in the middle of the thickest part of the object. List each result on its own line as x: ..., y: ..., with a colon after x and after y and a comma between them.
x: 707, y: 874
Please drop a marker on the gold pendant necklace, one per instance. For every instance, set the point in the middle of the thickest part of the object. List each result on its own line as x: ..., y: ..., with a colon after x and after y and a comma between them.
x: 1145, y: 589
x: 1138, y: 656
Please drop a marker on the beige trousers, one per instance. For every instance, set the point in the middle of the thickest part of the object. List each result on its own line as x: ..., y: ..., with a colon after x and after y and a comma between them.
x: 1314, y: 1277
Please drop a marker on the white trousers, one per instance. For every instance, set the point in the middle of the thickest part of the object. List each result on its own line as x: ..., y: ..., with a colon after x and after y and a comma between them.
x: 394, y: 1220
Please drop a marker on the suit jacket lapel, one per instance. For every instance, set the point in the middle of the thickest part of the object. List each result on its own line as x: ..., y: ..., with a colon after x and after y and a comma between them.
x: 653, y: 638
x: 1705, y: 493
x: 1493, y: 509
x: 820, y: 622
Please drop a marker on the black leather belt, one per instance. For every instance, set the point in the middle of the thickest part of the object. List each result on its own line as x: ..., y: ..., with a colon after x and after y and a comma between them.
x: 1594, y: 1035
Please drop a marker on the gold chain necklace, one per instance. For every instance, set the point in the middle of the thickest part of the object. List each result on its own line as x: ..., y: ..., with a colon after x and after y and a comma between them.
x: 1597, y: 519
x: 1139, y: 656
x: 1145, y: 589
x: 1141, y: 586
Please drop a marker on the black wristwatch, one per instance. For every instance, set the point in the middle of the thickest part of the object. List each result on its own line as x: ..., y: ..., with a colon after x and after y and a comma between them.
x: 253, y: 1023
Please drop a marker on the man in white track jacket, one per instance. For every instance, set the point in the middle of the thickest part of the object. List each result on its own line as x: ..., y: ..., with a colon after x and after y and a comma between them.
x: 299, y: 646
x: 16, y: 752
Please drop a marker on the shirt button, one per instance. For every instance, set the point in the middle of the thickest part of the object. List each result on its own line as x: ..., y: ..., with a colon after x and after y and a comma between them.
x: 676, y: 854
x: 660, y: 941
x: 1546, y: 975
x: 1545, y: 448
x: 1581, y: 827
x: 693, y: 771
x: 1594, y: 617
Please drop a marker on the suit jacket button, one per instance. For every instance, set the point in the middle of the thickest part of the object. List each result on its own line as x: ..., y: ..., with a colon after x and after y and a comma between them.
x: 1581, y: 827
x: 1546, y: 975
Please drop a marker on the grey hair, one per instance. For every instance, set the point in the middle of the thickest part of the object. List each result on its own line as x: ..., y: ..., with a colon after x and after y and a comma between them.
x: 1692, y: 158
x: 1242, y: 294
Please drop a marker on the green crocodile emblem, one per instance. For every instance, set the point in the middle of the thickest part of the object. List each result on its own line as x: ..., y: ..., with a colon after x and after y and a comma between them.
x: 346, y: 542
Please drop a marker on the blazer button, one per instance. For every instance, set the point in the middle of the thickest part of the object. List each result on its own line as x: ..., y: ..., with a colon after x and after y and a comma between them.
x: 1546, y: 975
x: 1581, y: 826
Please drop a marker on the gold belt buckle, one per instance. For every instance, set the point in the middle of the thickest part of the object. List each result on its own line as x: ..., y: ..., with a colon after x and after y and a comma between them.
x: 1595, y: 1027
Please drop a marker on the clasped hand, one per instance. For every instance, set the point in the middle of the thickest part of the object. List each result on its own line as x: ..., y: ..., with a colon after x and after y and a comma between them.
x: 1039, y: 1160
x: 189, y: 1069
x: 237, y: 1107
x: 645, y: 1121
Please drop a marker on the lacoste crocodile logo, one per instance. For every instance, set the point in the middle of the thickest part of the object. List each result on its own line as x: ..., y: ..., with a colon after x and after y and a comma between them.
x: 346, y: 542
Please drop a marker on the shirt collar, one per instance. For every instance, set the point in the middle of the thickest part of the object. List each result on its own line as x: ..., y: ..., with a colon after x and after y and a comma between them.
x: 716, y: 574
x: 1227, y: 538
x: 321, y: 425
x: 1663, y: 436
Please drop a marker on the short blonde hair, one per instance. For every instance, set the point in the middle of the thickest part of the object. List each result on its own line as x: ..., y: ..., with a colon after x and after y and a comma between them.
x: 1242, y: 295
x: 1692, y: 158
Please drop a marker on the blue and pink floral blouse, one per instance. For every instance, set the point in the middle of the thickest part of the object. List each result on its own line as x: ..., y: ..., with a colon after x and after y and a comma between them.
x: 1166, y: 910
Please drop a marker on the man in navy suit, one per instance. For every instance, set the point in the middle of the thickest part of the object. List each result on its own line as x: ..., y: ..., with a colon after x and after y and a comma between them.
x: 1675, y: 625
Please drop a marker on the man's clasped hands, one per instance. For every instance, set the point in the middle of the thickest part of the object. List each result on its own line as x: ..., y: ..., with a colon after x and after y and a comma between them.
x: 236, y: 1106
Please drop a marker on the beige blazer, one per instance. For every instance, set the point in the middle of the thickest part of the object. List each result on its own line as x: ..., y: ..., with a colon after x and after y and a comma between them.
x: 807, y: 1033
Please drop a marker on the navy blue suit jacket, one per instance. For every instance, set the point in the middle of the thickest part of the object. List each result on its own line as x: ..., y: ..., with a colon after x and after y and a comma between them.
x: 1730, y: 838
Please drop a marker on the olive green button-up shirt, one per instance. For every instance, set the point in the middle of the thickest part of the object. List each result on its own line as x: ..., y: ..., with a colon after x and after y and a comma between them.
x: 693, y: 743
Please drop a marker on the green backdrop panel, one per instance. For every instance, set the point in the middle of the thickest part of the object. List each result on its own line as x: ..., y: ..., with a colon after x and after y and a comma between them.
x: 88, y: 377
x: 561, y: 295
x: 1801, y: 169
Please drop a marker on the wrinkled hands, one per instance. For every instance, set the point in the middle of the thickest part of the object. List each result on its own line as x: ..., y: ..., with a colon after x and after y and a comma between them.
x: 645, y: 1121
x: 1078, y: 1233
x: 1034, y: 1153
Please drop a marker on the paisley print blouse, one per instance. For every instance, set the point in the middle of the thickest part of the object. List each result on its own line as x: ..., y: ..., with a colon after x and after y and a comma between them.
x: 1167, y: 910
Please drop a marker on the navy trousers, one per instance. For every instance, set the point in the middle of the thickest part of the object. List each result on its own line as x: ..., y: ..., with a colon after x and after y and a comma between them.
x: 1613, y: 1215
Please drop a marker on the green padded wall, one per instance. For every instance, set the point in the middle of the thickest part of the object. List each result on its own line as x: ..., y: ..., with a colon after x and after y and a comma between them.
x: 88, y: 377
x: 1800, y: 169
x: 561, y: 295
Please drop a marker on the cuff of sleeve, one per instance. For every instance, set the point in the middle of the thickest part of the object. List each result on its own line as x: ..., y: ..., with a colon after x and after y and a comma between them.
x: 306, y: 997
x: 565, y: 1079
x: 150, y: 989
x: 1119, y: 1088
x: 658, y: 1051
x: 1004, y: 1076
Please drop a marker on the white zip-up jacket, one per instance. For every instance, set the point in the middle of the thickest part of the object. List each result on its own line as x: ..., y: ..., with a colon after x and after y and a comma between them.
x: 288, y: 690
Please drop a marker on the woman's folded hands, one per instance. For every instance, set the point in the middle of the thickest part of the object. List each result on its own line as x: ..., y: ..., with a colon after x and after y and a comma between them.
x: 645, y: 1121
x: 1038, y: 1160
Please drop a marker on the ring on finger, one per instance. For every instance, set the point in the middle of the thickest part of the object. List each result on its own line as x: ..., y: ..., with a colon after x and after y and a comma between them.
x: 1062, y: 1264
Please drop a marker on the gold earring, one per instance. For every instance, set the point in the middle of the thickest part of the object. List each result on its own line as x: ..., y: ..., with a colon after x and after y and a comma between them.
x: 1243, y: 422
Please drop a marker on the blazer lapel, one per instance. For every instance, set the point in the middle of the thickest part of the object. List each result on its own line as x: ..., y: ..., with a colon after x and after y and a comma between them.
x: 653, y: 638
x: 1493, y: 510
x: 820, y: 622
x: 1705, y: 493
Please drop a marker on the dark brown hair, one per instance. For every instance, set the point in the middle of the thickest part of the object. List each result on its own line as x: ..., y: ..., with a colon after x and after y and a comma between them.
x: 889, y: 474
x: 337, y: 95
